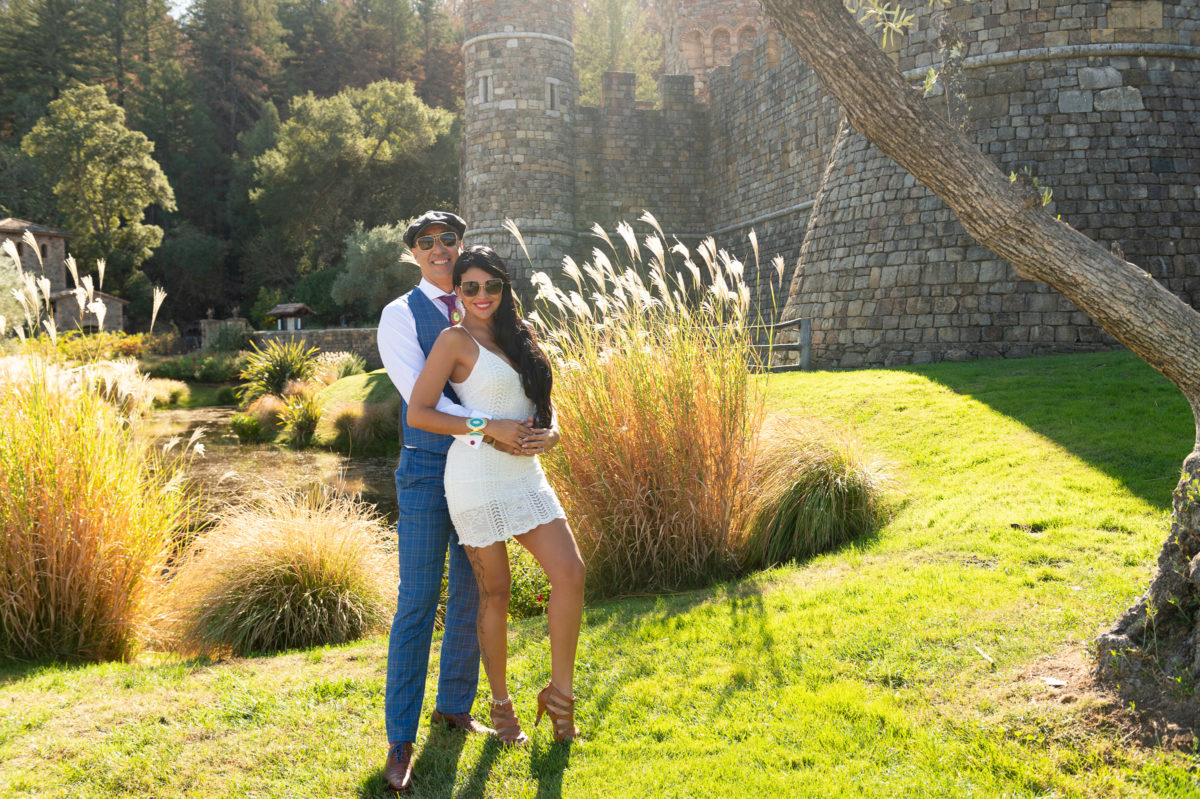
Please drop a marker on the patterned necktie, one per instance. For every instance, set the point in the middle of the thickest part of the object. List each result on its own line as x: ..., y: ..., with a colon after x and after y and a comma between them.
x: 451, y: 303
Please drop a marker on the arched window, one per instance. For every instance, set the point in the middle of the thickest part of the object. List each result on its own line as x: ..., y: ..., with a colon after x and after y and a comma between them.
x: 692, y: 45
x: 746, y: 37
x: 722, y: 49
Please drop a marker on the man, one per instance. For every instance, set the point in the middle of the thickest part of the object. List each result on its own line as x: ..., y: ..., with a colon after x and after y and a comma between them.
x: 408, y: 327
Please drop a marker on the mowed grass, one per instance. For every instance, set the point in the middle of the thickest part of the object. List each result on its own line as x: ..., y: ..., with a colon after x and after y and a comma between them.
x: 1034, y: 497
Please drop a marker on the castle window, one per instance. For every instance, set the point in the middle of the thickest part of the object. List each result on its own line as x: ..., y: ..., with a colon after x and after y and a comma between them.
x: 722, y: 51
x: 485, y: 89
x: 746, y: 37
x: 693, y: 49
x: 553, y: 95
x: 45, y: 252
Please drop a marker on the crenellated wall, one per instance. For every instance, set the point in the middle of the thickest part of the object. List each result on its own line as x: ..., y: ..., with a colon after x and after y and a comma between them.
x: 1096, y: 100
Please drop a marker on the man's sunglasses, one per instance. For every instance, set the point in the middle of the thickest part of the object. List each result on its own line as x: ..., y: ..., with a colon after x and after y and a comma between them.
x: 470, y: 288
x: 449, y: 240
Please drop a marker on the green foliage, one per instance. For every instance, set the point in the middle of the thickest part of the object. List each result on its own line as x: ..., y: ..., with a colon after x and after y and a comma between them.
x: 616, y: 36
x: 375, y: 269
x: 226, y: 396
x: 216, y: 367
x: 287, y: 571
x: 191, y: 264
x: 25, y: 192
x: 363, y: 154
x: 815, y: 490
x: 301, y: 415
x: 104, y: 177
x: 529, y: 591
x: 268, y: 370
x: 267, y: 299
x: 107, y: 345
x: 231, y: 338
x: 247, y: 428
x: 87, y: 516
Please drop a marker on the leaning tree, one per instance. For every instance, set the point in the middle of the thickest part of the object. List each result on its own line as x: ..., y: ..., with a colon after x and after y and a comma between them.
x: 1007, y: 217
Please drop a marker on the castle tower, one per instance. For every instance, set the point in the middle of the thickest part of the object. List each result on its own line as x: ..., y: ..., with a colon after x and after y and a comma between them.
x: 700, y: 35
x: 518, y: 152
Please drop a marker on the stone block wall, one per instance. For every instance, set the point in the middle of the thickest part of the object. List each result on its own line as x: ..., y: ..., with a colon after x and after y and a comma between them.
x: 359, y: 340
x: 1102, y: 116
x: 629, y: 160
x: 771, y: 130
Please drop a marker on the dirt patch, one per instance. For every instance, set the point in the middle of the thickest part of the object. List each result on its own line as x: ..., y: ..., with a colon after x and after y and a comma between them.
x: 1144, y: 708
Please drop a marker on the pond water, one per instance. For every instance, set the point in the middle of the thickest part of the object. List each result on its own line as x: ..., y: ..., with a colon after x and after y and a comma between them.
x: 229, y: 472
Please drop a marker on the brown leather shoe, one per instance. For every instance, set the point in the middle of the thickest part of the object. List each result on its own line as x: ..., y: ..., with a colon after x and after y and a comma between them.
x: 461, y: 721
x: 398, y: 769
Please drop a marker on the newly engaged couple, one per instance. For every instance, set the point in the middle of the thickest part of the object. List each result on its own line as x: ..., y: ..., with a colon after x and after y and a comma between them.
x: 476, y: 413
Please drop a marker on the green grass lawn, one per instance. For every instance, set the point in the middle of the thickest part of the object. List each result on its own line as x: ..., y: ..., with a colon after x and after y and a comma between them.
x: 1033, y: 497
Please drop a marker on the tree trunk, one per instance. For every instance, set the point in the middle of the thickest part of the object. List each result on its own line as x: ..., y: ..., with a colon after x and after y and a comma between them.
x: 1007, y: 217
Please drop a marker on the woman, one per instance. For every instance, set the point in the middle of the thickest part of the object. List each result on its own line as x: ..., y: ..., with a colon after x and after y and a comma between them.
x: 495, y: 366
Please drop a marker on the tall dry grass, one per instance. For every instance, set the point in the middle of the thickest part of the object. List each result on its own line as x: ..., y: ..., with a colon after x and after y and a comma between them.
x: 288, y: 570
x: 656, y: 396
x: 87, y: 517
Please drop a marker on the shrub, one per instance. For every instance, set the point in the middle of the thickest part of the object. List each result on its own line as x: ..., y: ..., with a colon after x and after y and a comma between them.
x: 219, y: 367
x: 301, y: 415
x: 87, y: 516
x: 231, y: 337
x: 286, y: 571
x: 269, y: 370
x: 379, y: 424
x: 268, y: 409
x: 660, y: 410
x: 226, y: 396
x: 247, y: 428
x: 530, y: 589
x: 817, y: 489
x: 168, y: 392
x: 333, y: 366
x: 346, y: 418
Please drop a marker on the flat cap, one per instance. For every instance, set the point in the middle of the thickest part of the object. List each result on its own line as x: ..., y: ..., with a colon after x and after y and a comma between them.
x: 452, y: 221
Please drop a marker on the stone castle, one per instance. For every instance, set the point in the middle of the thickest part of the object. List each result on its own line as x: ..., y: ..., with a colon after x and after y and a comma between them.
x: 1097, y: 100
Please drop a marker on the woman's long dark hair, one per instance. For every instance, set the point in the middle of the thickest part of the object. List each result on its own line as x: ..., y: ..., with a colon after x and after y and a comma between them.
x: 513, y: 334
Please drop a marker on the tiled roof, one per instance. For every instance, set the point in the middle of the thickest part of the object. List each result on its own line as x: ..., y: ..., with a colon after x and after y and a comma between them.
x: 13, y: 225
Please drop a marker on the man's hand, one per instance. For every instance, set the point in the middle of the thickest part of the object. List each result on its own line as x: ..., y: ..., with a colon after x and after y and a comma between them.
x: 538, y: 439
x: 508, y: 432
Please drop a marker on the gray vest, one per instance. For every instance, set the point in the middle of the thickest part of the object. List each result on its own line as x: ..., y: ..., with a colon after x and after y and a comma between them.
x: 430, y: 323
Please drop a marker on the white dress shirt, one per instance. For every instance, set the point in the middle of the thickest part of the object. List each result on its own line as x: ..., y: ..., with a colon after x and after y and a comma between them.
x: 401, y: 351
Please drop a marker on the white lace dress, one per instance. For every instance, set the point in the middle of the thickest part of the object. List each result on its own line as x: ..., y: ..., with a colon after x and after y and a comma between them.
x: 492, y: 495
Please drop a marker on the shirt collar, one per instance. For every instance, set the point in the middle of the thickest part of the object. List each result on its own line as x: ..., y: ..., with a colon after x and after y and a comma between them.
x: 429, y: 290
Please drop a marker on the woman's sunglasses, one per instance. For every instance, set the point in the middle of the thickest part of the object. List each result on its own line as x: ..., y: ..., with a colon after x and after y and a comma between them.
x: 470, y: 288
x: 449, y: 240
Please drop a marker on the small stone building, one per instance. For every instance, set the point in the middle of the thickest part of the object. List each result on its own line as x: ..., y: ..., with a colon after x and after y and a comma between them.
x: 50, y: 258
x: 68, y: 315
x: 290, y: 315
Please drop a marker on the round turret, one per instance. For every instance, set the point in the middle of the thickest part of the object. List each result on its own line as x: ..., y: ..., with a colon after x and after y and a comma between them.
x: 518, y: 152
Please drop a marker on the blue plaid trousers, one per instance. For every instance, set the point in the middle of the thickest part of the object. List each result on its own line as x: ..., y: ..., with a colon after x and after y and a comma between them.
x: 425, y: 534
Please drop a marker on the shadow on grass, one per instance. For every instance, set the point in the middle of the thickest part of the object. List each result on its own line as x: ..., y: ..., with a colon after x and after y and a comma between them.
x: 1109, y: 408
x: 434, y: 768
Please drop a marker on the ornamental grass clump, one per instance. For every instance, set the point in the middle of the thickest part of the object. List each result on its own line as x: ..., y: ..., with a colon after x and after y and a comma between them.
x: 816, y: 489
x: 288, y: 570
x: 87, y: 519
x: 658, y: 402
x: 300, y: 417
